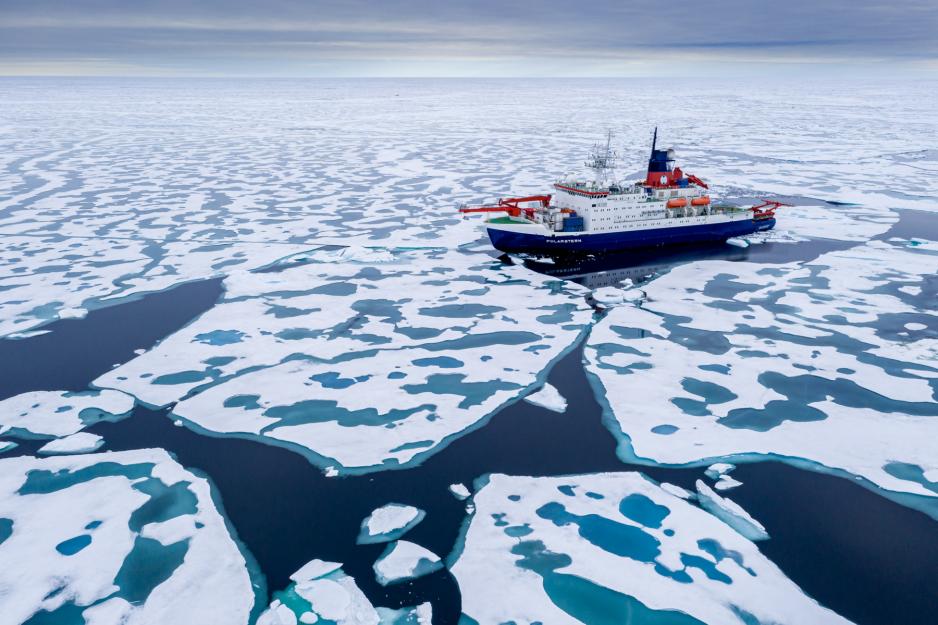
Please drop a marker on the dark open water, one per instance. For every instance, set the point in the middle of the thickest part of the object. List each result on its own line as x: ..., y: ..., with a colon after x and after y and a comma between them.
x: 860, y: 554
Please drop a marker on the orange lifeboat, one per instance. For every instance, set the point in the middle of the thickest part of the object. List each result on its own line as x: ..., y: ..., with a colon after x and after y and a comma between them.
x: 700, y: 201
x: 677, y: 202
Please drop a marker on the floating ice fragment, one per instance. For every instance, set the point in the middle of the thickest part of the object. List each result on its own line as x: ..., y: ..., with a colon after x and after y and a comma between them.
x: 319, y: 342
x: 418, y: 615
x: 730, y: 513
x: 677, y: 491
x: 548, y: 397
x: 460, y: 491
x: 82, y: 528
x: 72, y: 313
x: 389, y: 522
x: 915, y: 326
x: 6, y: 446
x: 814, y: 356
x: 405, y: 560
x: 737, y: 242
x: 330, y: 471
x: 715, y: 471
x: 619, y: 541
x: 726, y: 482
x: 314, y: 569
x: 60, y: 413
x: 82, y: 442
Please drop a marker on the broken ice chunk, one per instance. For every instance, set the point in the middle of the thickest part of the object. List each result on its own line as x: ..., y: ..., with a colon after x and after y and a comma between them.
x: 389, y: 522
x: 83, y: 442
x: 548, y: 397
x: 730, y: 513
x: 405, y: 560
x: 460, y: 491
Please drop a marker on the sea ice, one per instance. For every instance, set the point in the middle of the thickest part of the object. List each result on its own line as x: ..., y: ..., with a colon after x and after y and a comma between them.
x: 127, y: 537
x: 321, y: 592
x: 548, y: 397
x: 719, y: 469
x: 389, y: 522
x: 459, y: 491
x: 297, y: 356
x: 800, y: 361
x: 82, y: 442
x: 49, y: 414
x: 557, y: 549
x: 730, y: 513
x: 405, y: 560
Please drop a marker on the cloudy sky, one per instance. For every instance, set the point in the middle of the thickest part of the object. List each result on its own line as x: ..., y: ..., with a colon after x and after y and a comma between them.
x: 461, y: 38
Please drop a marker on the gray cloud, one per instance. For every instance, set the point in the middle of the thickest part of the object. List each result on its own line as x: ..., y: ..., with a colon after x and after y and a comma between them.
x: 353, y: 37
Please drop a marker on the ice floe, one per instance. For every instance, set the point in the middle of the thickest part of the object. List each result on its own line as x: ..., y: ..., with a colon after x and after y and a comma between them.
x: 404, y: 560
x: 321, y: 592
x: 730, y: 513
x: 555, y: 550
x: 548, y: 397
x: 296, y: 356
x: 60, y: 413
x: 459, y: 491
x: 389, y: 522
x: 127, y: 537
x: 801, y: 362
x: 82, y: 442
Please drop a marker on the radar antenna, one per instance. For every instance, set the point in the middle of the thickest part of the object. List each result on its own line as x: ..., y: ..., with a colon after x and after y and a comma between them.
x: 602, y: 160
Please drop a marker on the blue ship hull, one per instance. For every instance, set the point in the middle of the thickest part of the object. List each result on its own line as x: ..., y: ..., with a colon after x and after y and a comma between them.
x: 604, y: 243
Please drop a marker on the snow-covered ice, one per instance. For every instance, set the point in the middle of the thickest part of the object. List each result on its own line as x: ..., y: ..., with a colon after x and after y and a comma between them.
x: 548, y: 397
x: 322, y: 592
x: 127, y: 537
x: 459, y: 491
x: 552, y: 549
x: 404, y: 560
x: 50, y: 414
x: 730, y: 513
x: 805, y: 361
x: 297, y: 356
x: 82, y: 442
x: 389, y: 522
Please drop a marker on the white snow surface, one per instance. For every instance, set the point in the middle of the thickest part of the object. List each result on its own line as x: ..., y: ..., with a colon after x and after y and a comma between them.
x: 335, y: 597
x: 391, y: 519
x: 82, y: 442
x: 459, y: 491
x: 405, y: 560
x: 517, y: 530
x: 210, y: 585
x: 236, y: 178
x: 60, y: 413
x: 701, y: 371
x: 297, y: 357
x: 730, y: 512
x: 548, y: 397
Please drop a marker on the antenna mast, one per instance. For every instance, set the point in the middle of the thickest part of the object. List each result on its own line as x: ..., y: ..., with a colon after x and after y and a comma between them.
x: 602, y: 160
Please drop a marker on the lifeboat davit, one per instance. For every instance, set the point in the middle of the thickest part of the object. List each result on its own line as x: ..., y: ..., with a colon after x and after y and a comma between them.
x: 678, y: 202
x: 700, y: 201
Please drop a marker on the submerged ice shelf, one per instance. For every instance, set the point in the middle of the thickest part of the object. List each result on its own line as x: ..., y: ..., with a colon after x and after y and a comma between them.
x: 796, y: 361
x: 298, y: 356
x: 569, y: 549
x: 127, y: 537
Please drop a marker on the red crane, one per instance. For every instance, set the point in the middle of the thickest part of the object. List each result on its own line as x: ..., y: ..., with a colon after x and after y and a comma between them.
x: 510, y: 205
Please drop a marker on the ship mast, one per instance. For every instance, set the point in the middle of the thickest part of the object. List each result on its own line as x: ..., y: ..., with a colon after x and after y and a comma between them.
x: 602, y: 160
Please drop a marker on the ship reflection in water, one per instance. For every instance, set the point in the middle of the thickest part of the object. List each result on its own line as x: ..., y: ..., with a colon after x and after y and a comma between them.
x: 635, y: 265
